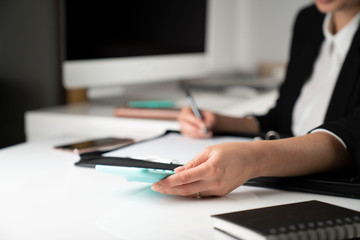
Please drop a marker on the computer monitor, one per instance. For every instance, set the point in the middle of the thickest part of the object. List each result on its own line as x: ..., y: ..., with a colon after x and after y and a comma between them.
x: 115, y: 43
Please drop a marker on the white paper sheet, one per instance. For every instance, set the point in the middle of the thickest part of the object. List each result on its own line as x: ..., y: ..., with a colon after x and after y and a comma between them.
x: 171, y: 147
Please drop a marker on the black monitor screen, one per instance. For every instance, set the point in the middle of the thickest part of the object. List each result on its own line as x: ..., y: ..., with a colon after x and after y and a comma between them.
x: 129, y: 28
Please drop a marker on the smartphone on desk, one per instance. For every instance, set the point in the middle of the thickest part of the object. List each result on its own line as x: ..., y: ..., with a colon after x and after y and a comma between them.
x: 92, y: 145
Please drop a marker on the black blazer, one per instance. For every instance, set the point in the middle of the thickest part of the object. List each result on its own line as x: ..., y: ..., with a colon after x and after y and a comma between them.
x: 343, y: 113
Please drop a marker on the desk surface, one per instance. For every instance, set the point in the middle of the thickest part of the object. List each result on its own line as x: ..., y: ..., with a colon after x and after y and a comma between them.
x: 44, y: 196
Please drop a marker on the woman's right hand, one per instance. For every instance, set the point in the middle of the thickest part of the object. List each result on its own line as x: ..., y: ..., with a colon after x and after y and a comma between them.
x: 193, y: 127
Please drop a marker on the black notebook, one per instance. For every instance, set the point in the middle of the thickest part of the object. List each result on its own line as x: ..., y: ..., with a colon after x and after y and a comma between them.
x: 302, y: 220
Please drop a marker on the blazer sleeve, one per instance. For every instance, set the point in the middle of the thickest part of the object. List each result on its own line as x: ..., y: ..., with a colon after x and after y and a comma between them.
x: 348, y: 129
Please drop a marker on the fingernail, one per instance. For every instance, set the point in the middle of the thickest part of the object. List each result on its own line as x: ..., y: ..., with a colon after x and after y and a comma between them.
x: 179, y: 169
x: 156, y: 187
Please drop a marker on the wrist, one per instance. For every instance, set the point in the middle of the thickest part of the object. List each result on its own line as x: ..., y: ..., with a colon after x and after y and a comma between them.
x: 253, y: 123
x: 235, y: 124
x: 218, y: 122
x: 262, y: 158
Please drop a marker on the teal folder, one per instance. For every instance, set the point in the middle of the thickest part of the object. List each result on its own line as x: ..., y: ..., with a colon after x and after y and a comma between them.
x: 135, y: 174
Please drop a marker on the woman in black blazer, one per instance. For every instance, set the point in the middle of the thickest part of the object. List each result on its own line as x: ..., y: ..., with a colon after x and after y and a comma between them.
x: 221, y: 168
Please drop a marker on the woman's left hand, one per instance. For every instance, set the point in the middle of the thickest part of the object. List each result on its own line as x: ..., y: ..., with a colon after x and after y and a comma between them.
x: 216, y: 171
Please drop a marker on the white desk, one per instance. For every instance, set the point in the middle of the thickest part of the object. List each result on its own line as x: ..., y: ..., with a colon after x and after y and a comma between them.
x: 89, y: 120
x: 44, y: 196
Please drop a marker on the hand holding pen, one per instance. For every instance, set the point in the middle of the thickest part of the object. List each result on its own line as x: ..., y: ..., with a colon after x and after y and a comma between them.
x: 193, y: 122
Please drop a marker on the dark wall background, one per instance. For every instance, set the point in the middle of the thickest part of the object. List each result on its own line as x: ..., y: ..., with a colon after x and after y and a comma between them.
x: 29, y: 63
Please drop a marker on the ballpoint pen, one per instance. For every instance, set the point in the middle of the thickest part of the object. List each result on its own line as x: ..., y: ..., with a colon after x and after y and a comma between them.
x: 192, y: 104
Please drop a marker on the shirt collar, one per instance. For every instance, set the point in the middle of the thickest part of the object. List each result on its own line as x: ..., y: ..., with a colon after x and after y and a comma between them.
x: 343, y: 38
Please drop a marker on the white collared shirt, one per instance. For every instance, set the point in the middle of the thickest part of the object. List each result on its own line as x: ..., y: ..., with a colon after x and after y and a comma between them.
x: 311, y: 106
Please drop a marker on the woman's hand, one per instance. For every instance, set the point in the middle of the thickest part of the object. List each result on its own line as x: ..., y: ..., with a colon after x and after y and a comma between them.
x: 193, y: 127
x: 219, y: 169
x: 216, y: 171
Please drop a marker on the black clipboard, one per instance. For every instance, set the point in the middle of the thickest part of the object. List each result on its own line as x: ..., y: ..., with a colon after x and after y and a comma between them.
x: 96, y: 158
x: 134, y: 169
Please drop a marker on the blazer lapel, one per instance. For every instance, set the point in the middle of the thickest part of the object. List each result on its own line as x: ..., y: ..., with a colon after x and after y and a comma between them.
x: 344, y: 88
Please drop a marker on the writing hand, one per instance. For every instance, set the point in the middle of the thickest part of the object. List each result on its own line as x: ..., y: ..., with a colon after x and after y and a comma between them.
x: 194, y: 127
